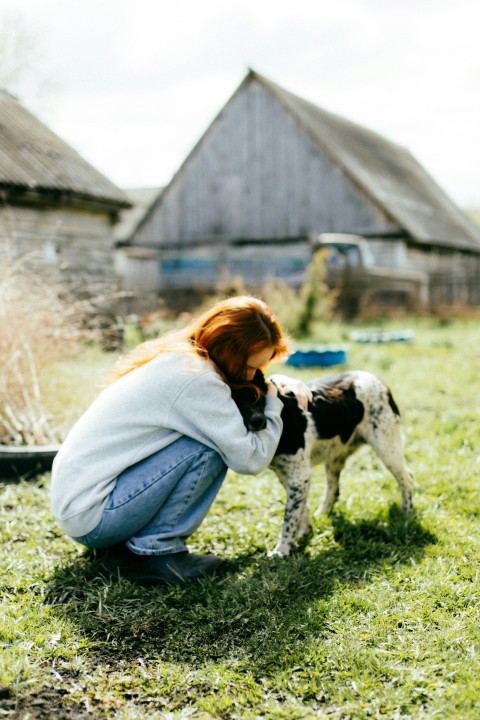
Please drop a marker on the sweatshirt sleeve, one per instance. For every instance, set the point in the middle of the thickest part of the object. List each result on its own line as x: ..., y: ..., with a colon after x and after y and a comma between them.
x: 204, y: 410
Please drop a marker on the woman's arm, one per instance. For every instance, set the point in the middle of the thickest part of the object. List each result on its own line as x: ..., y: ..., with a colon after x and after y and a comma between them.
x: 206, y: 411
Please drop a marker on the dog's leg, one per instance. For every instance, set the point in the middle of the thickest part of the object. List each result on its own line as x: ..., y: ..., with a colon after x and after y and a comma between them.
x: 388, y: 444
x: 332, y: 489
x: 395, y: 462
x: 305, y: 527
x: 296, y: 523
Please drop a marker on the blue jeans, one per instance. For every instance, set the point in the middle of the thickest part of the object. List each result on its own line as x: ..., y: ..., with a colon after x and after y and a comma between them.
x: 159, y: 502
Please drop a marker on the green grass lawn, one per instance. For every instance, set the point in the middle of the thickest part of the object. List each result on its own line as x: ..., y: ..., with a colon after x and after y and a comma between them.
x: 378, y: 617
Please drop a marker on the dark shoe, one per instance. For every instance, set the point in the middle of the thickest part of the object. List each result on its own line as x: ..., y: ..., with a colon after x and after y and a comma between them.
x: 174, y: 568
x: 113, y: 552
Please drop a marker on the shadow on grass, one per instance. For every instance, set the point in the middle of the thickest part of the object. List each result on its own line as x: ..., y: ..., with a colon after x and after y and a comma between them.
x: 261, y: 612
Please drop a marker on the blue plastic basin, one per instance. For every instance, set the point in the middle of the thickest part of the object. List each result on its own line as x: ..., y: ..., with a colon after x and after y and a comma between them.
x: 316, y: 357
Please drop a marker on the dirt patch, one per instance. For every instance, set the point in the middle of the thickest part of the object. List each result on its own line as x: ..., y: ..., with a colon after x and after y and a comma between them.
x: 43, y: 704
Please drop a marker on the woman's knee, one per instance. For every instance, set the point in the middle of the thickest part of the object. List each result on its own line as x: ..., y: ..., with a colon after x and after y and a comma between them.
x: 214, y: 462
x: 188, y: 449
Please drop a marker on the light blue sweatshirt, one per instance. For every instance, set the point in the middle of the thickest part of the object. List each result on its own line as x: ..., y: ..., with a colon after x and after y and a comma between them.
x: 143, y: 412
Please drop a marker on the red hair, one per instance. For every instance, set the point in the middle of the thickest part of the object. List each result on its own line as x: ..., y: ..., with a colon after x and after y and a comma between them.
x: 228, y: 334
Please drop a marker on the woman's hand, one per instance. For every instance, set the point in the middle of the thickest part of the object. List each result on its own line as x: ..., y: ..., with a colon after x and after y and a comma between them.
x: 272, y: 390
x: 299, y: 389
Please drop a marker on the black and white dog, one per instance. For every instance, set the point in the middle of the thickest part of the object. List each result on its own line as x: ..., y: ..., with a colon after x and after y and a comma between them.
x: 348, y: 410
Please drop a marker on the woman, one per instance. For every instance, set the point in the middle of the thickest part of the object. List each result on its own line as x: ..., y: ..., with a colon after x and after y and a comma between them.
x: 141, y: 468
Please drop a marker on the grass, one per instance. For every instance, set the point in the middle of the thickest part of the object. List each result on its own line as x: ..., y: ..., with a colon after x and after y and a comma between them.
x: 378, y: 617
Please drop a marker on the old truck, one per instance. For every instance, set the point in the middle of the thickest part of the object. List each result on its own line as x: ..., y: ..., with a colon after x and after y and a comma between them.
x: 360, y: 284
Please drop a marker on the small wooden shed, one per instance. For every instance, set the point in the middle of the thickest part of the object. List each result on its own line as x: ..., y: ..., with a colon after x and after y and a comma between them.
x: 53, y: 203
x: 272, y: 170
x: 137, y: 268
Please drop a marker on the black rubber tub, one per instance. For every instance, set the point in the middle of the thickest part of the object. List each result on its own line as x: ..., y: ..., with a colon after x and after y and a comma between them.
x: 18, y: 461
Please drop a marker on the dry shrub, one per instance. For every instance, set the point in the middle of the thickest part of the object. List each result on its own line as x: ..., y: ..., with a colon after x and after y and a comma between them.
x: 39, y: 324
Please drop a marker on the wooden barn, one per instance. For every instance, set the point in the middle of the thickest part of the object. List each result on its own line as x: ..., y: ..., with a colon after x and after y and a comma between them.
x: 272, y: 171
x: 53, y: 204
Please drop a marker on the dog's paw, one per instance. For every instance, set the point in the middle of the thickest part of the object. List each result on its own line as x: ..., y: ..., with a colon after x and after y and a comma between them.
x: 279, y: 552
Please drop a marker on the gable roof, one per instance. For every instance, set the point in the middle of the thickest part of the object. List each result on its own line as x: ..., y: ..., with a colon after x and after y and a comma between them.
x: 142, y: 200
x: 386, y: 172
x: 33, y: 158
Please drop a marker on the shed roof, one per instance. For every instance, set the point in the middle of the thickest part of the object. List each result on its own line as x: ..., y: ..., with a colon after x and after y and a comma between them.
x: 386, y: 172
x: 33, y: 158
x: 142, y: 200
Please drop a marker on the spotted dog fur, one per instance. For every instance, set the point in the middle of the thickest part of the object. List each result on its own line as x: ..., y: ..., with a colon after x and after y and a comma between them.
x: 348, y: 410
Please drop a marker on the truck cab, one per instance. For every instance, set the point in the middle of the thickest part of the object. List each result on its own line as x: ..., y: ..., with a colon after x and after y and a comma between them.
x: 360, y: 283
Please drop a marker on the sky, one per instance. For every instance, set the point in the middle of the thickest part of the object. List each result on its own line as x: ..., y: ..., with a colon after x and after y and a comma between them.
x: 133, y: 84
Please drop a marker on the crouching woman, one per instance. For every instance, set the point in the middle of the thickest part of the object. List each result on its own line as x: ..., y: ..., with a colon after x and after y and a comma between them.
x: 141, y: 468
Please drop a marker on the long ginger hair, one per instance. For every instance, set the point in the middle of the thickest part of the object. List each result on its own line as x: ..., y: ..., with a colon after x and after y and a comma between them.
x: 227, y: 334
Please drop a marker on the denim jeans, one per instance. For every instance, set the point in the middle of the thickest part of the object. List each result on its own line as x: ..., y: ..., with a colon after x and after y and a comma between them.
x: 160, y: 501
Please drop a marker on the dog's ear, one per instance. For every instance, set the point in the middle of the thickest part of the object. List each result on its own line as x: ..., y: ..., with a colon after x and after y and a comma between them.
x: 259, y: 381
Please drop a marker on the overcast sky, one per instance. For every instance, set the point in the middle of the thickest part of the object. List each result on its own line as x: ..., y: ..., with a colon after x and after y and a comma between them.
x: 132, y: 84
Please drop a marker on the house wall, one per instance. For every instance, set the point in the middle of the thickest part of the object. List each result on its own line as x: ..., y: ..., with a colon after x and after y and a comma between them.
x: 79, y: 243
x: 256, y: 174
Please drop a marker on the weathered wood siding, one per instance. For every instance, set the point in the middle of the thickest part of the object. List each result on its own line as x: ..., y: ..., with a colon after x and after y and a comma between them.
x: 255, y: 174
x: 454, y: 277
x: 79, y: 243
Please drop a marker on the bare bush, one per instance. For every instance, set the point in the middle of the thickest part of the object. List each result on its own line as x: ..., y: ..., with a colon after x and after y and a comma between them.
x: 39, y: 324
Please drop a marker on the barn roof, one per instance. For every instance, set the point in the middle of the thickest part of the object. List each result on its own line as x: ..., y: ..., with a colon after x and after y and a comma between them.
x: 386, y: 172
x: 33, y: 159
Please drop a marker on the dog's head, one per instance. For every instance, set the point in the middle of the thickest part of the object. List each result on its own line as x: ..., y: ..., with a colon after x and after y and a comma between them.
x: 250, y: 400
